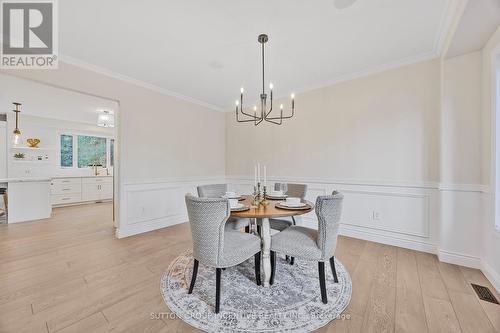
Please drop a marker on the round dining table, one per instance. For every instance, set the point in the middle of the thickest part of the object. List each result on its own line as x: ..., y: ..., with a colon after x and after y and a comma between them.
x: 262, y: 214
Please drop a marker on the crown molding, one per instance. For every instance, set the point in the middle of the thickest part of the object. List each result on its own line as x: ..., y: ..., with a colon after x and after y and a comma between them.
x: 101, y: 70
x: 450, y: 18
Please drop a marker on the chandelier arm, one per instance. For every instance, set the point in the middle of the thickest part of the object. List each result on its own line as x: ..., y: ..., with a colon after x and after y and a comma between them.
x: 270, y: 109
x: 285, y: 117
x: 259, y: 121
x: 271, y: 119
x: 274, y: 122
x: 249, y: 115
x: 242, y: 120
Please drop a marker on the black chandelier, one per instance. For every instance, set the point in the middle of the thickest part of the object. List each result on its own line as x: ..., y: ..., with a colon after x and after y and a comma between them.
x: 264, y: 113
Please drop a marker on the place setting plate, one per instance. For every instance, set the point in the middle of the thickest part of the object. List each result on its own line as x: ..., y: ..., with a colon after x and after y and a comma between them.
x: 288, y: 206
x: 239, y: 197
x: 240, y: 208
x: 276, y: 196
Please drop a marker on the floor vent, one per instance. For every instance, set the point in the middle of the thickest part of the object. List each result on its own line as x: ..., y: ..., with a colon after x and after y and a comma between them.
x: 484, y: 293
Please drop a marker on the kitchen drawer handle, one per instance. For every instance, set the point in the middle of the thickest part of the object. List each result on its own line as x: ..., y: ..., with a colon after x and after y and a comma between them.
x: 66, y: 189
x: 65, y: 181
x: 65, y: 198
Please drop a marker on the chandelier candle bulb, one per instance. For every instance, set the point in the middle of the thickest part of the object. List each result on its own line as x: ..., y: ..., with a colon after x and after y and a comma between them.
x: 271, y: 86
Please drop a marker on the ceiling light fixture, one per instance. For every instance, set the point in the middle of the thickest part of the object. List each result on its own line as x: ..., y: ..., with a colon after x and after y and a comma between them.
x: 264, y: 113
x: 106, y: 119
x: 16, y: 135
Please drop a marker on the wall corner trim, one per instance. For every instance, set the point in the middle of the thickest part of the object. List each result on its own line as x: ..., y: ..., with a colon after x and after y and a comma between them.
x: 459, y: 259
x: 491, y: 275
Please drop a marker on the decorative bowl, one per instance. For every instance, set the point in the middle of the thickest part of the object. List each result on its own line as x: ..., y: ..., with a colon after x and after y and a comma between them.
x: 33, y: 142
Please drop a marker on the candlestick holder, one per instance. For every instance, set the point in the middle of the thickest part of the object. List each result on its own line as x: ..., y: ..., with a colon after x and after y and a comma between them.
x: 263, y: 200
x: 256, y: 195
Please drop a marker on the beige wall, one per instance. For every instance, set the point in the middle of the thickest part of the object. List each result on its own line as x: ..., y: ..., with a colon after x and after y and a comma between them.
x: 381, y: 128
x: 161, y: 137
x: 461, y: 120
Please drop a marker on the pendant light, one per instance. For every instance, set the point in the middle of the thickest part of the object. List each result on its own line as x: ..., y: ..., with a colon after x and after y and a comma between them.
x: 16, y: 135
x: 265, y: 109
x: 106, y: 119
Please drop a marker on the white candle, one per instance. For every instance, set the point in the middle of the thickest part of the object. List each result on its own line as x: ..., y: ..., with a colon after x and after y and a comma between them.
x: 265, y: 176
x: 255, y: 175
x: 258, y: 172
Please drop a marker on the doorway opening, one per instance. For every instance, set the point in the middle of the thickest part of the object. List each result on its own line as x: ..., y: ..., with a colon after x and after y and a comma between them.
x: 66, y: 156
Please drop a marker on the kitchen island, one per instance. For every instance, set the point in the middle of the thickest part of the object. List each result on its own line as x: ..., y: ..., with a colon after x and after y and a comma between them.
x: 28, y: 199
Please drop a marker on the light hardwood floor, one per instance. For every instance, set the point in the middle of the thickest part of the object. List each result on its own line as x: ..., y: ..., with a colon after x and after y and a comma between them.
x: 69, y: 274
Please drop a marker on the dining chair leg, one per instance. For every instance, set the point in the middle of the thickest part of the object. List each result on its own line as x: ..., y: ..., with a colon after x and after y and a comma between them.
x: 193, y: 277
x: 218, y: 272
x: 334, y: 271
x: 322, y: 282
x: 273, y: 267
x: 257, y: 268
x: 247, y: 229
x: 292, y: 260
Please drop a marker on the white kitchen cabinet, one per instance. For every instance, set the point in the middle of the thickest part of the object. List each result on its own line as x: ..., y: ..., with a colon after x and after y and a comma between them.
x: 90, y: 192
x: 81, y: 189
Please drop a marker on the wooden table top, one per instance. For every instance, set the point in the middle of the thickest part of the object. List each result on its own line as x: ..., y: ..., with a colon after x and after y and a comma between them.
x: 270, y: 210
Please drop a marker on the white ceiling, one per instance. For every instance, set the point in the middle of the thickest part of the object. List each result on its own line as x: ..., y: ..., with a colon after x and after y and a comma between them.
x: 479, y: 21
x: 206, y: 50
x: 50, y: 102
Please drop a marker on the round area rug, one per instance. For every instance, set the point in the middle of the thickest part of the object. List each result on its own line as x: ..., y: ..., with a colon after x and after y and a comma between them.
x: 292, y: 304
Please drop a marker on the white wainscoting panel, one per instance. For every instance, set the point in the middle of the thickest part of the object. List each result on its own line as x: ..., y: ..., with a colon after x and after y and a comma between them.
x: 402, y: 215
x: 154, y: 204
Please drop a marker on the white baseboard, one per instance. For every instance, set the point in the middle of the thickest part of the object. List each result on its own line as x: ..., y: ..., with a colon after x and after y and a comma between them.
x: 491, y: 275
x: 459, y: 259
x: 374, y: 236
x: 131, y: 230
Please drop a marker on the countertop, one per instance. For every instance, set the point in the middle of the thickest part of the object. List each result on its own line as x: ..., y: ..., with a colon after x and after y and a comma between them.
x: 26, y: 179
x: 100, y: 176
x: 42, y: 179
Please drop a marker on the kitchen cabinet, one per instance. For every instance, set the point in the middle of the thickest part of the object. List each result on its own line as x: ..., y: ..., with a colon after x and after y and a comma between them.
x: 78, y: 190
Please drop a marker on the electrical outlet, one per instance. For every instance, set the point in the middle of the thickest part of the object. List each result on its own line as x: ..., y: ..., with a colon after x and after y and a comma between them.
x: 376, y: 215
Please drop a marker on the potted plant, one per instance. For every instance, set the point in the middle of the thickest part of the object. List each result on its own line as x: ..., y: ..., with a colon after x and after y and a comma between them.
x: 19, y: 156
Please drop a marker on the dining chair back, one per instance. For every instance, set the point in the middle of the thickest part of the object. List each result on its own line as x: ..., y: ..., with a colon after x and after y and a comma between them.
x: 215, y: 247
x: 207, y: 218
x: 328, y: 210
x: 309, y: 244
x: 292, y: 190
x: 217, y: 191
x: 212, y: 190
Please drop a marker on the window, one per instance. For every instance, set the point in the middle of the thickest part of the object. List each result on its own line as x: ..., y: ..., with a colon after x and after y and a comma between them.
x: 66, y: 150
x: 83, y: 151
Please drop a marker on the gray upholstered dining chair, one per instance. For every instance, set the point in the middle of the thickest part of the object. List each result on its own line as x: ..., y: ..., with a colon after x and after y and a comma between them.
x: 217, y: 191
x: 213, y: 246
x: 309, y: 244
x: 293, y: 190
